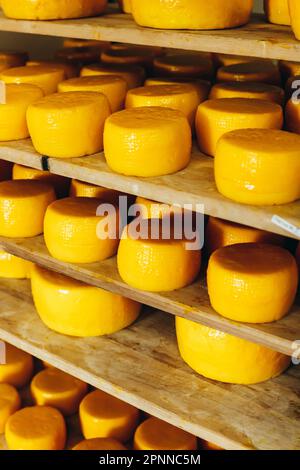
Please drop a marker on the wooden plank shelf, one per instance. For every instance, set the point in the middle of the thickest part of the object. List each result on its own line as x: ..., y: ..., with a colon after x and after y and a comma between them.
x: 141, y: 366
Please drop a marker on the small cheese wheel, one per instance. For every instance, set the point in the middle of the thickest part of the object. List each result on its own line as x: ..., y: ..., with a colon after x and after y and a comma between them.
x: 10, y: 402
x: 99, y: 443
x: 13, y: 125
x: 125, y: 5
x: 191, y: 65
x: 59, y: 183
x: 102, y: 415
x: 72, y: 234
x: 252, y: 282
x: 156, y: 264
x: 253, y: 90
x: 36, y: 428
x: 130, y: 55
x: 66, y: 125
x: 155, y: 210
x: 292, y: 116
x: 217, y: 117
x: 46, y: 76
x: 79, y: 43
x: 83, y: 189
x: 191, y: 14
x: 60, y: 301
x: 18, y: 367
x: 112, y: 86
x: 226, y: 358
x: 202, y: 86
x: 222, y: 60
x: 78, y: 56
x: 5, y: 170
x: 52, y: 387
x: 254, y: 71
x: 155, y: 434
x: 12, y: 59
x: 277, y: 11
x: 134, y: 75
x: 246, y: 158
x: 23, y: 204
x: 147, y: 141
x: 13, y: 267
x: 69, y: 69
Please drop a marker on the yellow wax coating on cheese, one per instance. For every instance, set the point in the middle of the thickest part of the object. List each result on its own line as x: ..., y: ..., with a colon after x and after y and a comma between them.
x: 18, y: 367
x: 102, y: 415
x: 221, y: 60
x: 202, y: 86
x: 60, y: 302
x: 79, y: 43
x: 46, y: 76
x: 217, y: 117
x: 292, y: 115
x: 253, y: 90
x: 193, y: 65
x: 147, y: 141
x: 130, y: 55
x: 125, y: 5
x: 254, y: 71
x: 226, y: 358
x: 69, y: 69
x: 59, y: 183
x: 23, y: 204
x: 112, y: 86
x: 134, y: 75
x: 246, y: 158
x: 99, y: 443
x: 83, y: 189
x: 10, y: 402
x: 12, y: 59
x: 52, y: 387
x: 13, y: 125
x: 13, y: 267
x: 294, y: 8
x: 66, y: 125
x: 277, y: 11
x: 155, y: 210
x: 155, y: 434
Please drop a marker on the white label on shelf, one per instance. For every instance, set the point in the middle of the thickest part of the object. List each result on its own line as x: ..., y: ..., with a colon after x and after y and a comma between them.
x: 2, y: 92
x: 285, y: 225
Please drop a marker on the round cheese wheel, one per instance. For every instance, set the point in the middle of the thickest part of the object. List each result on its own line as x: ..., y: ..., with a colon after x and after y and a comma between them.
x: 155, y: 434
x: 36, y: 428
x: 102, y: 415
x: 78, y: 56
x: 79, y: 43
x: 254, y: 71
x: 13, y: 125
x: 155, y: 210
x: 13, y: 267
x: 66, y: 125
x: 99, y: 443
x: 292, y: 115
x: 253, y: 90
x: 147, y: 141
x: 277, y: 11
x: 246, y: 158
x: 12, y: 59
x: 69, y: 69
x: 46, y: 76
x: 61, y: 300
x: 10, y: 402
x: 59, y: 183
x: 217, y: 117
x: 20, y: 197
x: 18, y: 367
x: 201, y: 86
x: 83, y: 189
x: 222, y: 60
x: 125, y: 5
x: 192, y: 65
x: 226, y: 358
x: 130, y: 55
x: 134, y: 75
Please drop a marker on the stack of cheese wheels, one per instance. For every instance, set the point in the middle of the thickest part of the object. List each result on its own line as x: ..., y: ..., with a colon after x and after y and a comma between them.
x: 241, y: 280
x: 191, y: 14
x: 157, y: 261
x: 61, y: 300
x: 70, y: 70
x: 147, y: 141
x: 83, y: 189
x: 125, y: 5
x: 246, y: 158
x: 77, y: 231
x: 78, y: 56
x: 36, y: 428
x: 149, y: 209
x: 294, y: 7
x: 289, y: 69
x: 13, y: 267
x: 277, y: 11
x: 66, y: 125
x: 292, y: 114
x: 99, y: 443
x: 60, y: 183
x: 192, y: 65
x: 12, y: 59
x: 52, y: 9
x: 10, y: 403
x: 13, y: 125
x: 102, y: 415
x: 253, y: 90
x: 226, y: 358
x: 23, y: 204
x: 222, y: 60
x: 18, y: 368
x: 202, y: 86
x: 134, y: 75
x: 255, y: 71
x: 131, y: 55
x: 46, y: 76
x: 217, y: 117
x: 112, y: 86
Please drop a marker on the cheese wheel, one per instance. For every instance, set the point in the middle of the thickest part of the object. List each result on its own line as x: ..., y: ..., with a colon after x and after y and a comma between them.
x: 69, y: 69
x: 222, y: 60
x: 201, y: 86
x: 46, y: 76
x: 52, y: 387
x: 79, y: 43
x: 134, y: 75
x: 252, y: 282
x: 18, y: 367
x: 130, y: 55
x: 66, y: 125
x: 217, y: 117
x: 13, y: 267
x: 277, y: 11
x: 155, y: 434
x: 23, y: 204
x: 83, y: 189
x: 246, y: 158
x: 5, y: 170
x: 192, y: 65
x: 226, y: 358
x: 52, y: 9
x: 112, y: 86
x: 191, y: 14
x: 99, y: 443
x: 12, y: 59
x: 36, y: 428
x: 72, y: 234
x: 78, y: 56
x: 61, y: 300
x: 13, y: 125
x: 155, y: 210
x: 254, y: 71
x: 59, y: 183
x: 253, y: 90
x: 10, y: 402
x: 125, y: 5
x: 147, y: 141
x: 159, y: 263
x: 102, y: 415
x: 292, y: 115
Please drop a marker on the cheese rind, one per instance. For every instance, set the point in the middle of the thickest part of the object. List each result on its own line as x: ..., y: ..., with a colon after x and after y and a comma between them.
x: 277, y: 11
x: 254, y: 71
x: 155, y: 210
x: 99, y: 443
x: 59, y: 183
x: 70, y: 70
x: 250, y: 90
x: 192, y: 65
x: 13, y: 267
x: 46, y: 76
x: 125, y: 5
x: 83, y: 189
x: 134, y: 75
x: 10, y: 402
x: 18, y: 367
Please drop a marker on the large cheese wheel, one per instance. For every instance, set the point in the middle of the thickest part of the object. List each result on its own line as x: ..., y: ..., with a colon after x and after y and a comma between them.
x: 226, y: 358
x: 159, y: 263
x: 217, y: 117
x: 246, y: 158
x: 130, y: 55
x: 61, y: 300
x: 70, y: 70
x: 52, y: 387
x: 252, y: 282
x: 18, y: 367
x: 13, y: 125
x: 83, y: 189
x: 254, y: 71
x: 155, y: 434
x: 294, y: 8
x: 46, y: 76
x: 134, y: 75
x: 66, y: 125
x: 13, y: 267
x: 23, y: 204
x: 155, y: 210
x: 187, y: 64
x: 222, y: 60
x: 253, y: 90
x: 191, y: 14
x: 12, y: 59
x: 102, y: 415
x: 292, y: 115
x: 10, y: 402
x: 36, y: 428
x: 99, y: 443
x: 59, y: 183
x: 202, y: 86
x: 277, y: 11
x: 125, y: 5
x: 147, y: 141
x: 78, y: 56
x: 112, y: 86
